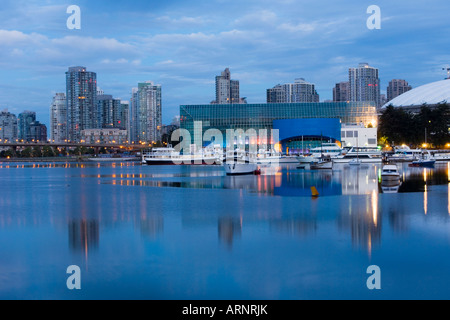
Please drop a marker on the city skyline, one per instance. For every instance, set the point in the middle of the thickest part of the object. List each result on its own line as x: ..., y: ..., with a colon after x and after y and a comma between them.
x: 186, y: 45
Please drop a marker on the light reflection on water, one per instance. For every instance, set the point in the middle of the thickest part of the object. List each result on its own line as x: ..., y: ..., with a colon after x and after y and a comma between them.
x: 174, y: 229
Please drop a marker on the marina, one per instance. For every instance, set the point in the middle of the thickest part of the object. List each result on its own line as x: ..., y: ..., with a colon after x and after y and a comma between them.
x: 154, y: 229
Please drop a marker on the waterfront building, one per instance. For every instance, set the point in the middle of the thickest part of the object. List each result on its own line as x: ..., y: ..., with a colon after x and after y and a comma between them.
x: 110, y: 113
x: 359, y: 135
x: 431, y: 95
x: 8, y: 126
x: 299, y: 91
x: 364, y: 84
x: 104, y: 136
x: 58, y: 118
x: 81, y: 95
x: 25, y: 120
x: 146, y: 113
x: 341, y: 92
x: 227, y: 90
x: 396, y: 88
x: 298, y: 123
x: 38, y: 131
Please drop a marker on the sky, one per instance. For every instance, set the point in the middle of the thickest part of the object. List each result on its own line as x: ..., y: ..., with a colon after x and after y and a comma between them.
x: 183, y: 45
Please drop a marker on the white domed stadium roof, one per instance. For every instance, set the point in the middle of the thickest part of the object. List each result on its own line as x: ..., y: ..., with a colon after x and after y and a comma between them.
x: 431, y: 94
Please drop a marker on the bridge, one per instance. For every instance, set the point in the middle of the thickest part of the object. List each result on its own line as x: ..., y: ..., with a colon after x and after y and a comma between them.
x: 96, y: 146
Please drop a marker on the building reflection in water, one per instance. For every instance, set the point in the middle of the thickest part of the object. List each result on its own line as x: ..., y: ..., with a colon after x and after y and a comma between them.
x: 229, y: 229
x: 84, y: 235
x: 363, y: 218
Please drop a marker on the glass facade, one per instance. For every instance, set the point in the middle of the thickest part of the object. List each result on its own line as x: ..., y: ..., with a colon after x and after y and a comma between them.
x: 261, y: 116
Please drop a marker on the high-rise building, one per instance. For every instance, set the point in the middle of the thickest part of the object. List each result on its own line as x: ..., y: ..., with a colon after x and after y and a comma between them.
x: 58, y: 118
x: 341, y: 93
x: 364, y: 84
x: 146, y: 113
x: 133, y: 119
x: 8, y: 126
x: 297, y: 92
x: 38, y: 131
x: 24, y: 122
x: 397, y: 87
x: 227, y: 90
x: 81, y: 94
x: 108, y: 111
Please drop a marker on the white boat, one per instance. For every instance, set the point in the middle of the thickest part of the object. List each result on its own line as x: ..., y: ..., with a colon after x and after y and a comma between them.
x: 365, y: 155
x: 306, y: 159
x: 327, y: 149
x: 405, y: 154
x: 324, y: 163
x: 442, y: 157
x: 426, y: 160
x: 161, y: 156
x: 355, y: 162
x: 239, y: 162
x: 113, y: 158
x: 390, y: 175
x: 169, y: 156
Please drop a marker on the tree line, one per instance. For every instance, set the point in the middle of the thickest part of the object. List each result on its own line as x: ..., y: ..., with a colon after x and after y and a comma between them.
x: 398, y: 126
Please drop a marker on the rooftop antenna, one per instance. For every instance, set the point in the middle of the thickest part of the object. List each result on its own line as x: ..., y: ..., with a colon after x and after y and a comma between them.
x: 447, y: 68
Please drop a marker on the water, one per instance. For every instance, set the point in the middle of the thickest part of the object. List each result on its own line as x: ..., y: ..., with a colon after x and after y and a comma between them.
x: 140, y: 232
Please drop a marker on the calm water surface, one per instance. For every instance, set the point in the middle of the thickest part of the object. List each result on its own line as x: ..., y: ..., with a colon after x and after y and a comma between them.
x: 181, y: 232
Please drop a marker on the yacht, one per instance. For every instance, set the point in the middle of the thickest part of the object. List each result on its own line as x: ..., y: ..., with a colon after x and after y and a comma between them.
x: 425, y: 161
x: 405, y: 154
x: 169, y: 156
x: 327, y: 149
x: 240, y: 162
x: 365, y: 155
x: 273, y: 157
x: 113, y: 158
x: 390, y: 175
x: 323, y: 163
x: 161, y: 156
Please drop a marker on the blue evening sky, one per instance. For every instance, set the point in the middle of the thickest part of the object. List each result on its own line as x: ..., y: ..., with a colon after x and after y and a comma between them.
x: 183, y: 45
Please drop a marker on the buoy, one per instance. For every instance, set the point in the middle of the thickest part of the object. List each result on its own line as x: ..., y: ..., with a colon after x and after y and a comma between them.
x: 314, y: 192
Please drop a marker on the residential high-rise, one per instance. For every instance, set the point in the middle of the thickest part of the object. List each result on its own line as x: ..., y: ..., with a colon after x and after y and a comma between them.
x: 397, y: 87
x: 81, y: 95
x: 38, y: 131
x: 133, y: 119
x: 146, y: 113
x: 297, y: 92
x: 8, y: 126
x: 341, y: 93
x: 58, y: 118
x: 25, y: 119
x: 364, y: 84
x: 227, y: 90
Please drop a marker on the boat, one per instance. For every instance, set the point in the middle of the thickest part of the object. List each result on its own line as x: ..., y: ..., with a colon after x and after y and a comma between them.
x: 355, y: 162
x: 324, y: 163
x: 327, y: 149
x: 442, y: 157
x: 239, y: 162
x: 426, y: 161
x: 161, y: 156
x: 169, y: 156
x: 113, y: 158
x: 405, y: 154
x: 390, y: 175
x: 364, y: 154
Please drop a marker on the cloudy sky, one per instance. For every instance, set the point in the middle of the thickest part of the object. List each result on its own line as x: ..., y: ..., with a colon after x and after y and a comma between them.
x: 183, y: 45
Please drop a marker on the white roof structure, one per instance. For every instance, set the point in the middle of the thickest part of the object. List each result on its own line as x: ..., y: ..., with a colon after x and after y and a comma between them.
x: 430, y: 94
